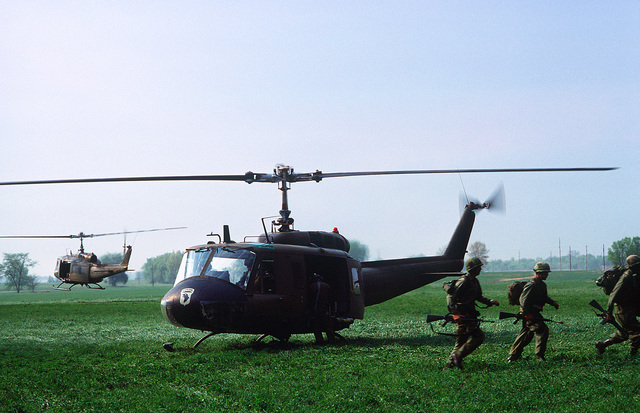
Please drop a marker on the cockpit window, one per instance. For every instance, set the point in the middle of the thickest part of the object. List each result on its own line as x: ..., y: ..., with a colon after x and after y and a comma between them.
x: 193, y: 262
x: 230, y: 264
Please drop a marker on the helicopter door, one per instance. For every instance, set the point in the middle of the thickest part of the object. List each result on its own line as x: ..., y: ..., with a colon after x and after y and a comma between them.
x: 335, y: 272
x: 64, y: 268
x: 292, y: 283
x: 278, y: 294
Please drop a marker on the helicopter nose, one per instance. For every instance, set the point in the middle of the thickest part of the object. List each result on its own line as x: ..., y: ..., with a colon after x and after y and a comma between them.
x: 205, y: 303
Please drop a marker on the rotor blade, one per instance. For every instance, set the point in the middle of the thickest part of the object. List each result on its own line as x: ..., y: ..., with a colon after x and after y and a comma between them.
x: 248, y: 177
x: 317, y: 176
x: 322, y: 175
x: 83, y: 235
x: 134, y: 232
x: 38, y: 236
x: 496, y: 202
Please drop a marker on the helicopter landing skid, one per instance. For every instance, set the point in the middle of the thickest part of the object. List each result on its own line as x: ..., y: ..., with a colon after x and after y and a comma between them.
x: 282, y: 338
x: 204, y: 338
x: 341, y: 338
x: 89, y: 286
x: 62, y: 289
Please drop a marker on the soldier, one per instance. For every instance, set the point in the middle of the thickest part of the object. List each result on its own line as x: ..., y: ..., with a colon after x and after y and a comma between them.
x: 532, y: 300
x: 625, y: 300
x: 461, y: 304
x: 320, y: 299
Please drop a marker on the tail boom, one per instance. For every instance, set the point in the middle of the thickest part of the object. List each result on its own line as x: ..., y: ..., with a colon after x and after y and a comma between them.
x: 383, y: 280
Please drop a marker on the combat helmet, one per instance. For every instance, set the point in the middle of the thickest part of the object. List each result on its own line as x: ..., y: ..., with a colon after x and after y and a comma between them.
x: 473, y: 262
x: 541, y: 266
x: 632, y: 261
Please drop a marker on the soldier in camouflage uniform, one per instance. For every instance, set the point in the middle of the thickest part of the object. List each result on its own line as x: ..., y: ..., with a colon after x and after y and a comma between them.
x: 461, y: 305
x: 625, y: 301
x: 532, y: 300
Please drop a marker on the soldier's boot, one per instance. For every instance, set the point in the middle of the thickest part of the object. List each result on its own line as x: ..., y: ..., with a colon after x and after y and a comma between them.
x: 601, y: 345
x: 456, y: 359
x: 449, y: 364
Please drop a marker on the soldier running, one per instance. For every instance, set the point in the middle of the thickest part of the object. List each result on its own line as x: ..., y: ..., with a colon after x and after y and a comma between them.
x: 625, y: 300
x: 534, y: 297
x: 461, y: 304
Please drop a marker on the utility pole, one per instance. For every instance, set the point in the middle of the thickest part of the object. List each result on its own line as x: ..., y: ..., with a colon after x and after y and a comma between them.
x: 560, y: 252
x: 569, y: 258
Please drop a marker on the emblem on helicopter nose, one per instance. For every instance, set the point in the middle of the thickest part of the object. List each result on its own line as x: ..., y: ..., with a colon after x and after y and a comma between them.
x: 185, y: 295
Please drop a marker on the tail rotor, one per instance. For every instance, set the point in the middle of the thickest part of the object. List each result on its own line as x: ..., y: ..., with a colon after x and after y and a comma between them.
x: 496, y: 202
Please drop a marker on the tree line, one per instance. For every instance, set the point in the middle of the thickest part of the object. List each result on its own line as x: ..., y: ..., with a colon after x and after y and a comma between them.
x: 161, y: 269
x: 616, y: 256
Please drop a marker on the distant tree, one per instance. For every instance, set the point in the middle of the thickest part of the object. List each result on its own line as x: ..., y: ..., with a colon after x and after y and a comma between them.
x: 114, y: 258
x: 621, y: 249
x: 358, y: 250
x: 32, y: 283
x: 479, y: 249
x: 163, y: 268
x: 15, y: 271
x: 121, y: 278
x: 111, y: 258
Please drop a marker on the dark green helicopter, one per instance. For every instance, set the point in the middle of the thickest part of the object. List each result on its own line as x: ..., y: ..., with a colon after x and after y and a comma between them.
x: 262, y: 287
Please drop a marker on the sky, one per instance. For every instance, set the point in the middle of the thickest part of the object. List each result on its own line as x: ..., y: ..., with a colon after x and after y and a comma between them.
x: 121, y: 88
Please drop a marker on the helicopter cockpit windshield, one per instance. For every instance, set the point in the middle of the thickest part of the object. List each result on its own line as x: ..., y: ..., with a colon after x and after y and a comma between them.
x: 229, y: 264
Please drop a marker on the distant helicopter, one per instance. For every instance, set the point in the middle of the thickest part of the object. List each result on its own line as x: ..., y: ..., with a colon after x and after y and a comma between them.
x: 84, y: 268
x: 262, y: 287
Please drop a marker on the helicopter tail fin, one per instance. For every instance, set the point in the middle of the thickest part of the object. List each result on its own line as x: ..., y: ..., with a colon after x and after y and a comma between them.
x: 127, y: 256
x: 457, y: 247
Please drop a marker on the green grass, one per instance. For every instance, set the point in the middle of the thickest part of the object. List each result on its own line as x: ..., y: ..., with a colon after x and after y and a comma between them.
x: 102, y: 351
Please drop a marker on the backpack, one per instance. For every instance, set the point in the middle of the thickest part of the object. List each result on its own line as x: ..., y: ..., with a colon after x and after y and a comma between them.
x: 449, y: 286
x: 610, y: 278
x: 514, y: 290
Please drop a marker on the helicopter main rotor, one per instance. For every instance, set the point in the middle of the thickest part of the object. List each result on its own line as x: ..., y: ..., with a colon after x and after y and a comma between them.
x: 82, y: 235
x: 284, y: 175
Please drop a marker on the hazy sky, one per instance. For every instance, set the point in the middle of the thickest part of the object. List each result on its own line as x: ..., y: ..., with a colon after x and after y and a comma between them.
x: 122, y: 88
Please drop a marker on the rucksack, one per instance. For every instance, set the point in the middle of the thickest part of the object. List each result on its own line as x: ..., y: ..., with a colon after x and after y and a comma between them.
x: 449, y: 286
x: 610, y: 278
x: 514, y: 290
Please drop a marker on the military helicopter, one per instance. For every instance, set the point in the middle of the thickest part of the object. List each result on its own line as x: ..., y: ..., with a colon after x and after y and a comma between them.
x: 84, y: 268
x: 261, y: 287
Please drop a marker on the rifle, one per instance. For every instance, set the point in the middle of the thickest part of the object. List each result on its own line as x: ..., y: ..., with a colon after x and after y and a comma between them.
x: 604, y: 314
x: 520, y: 316
x: 449, y: 318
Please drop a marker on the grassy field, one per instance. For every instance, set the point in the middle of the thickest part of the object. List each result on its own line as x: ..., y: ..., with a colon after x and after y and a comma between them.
x: 102, y: 351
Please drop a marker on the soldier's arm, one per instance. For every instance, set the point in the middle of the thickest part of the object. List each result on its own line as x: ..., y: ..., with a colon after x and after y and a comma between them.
x: 526, y: 301
x: 482, y: 299
x: 487, y: 301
